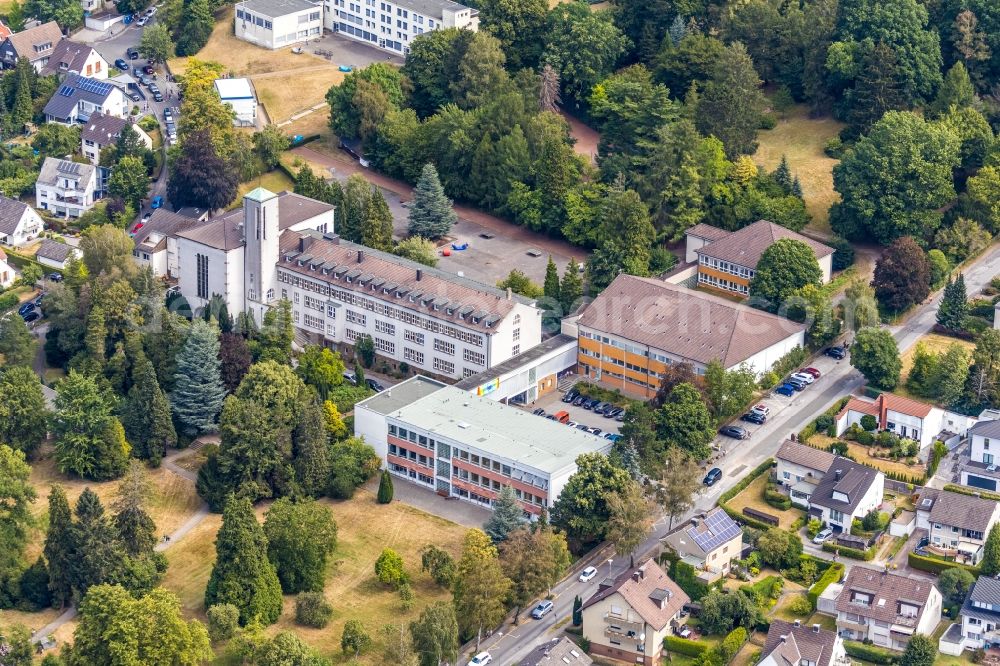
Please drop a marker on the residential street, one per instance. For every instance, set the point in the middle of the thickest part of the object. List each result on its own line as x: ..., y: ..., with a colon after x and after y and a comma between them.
x: 838, y: 380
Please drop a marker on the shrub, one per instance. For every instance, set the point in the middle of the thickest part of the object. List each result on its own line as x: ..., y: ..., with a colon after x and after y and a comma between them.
x: 830, y: 576
x: 684, y: 646
x: 389, y: 568
x: 834, y: 148
x: 223, y: 621
x: 800, y: 606
x: 951, y: 487
x: 853, y: 553
x: 824, y: 422
x: 870, y: 653
x: 684, y: 575
x: 768, y: 121
x: 815, y: 525
x: 777, y: 499
x: 732, y: 643
x: 405, y: 596
x: 843, y: 253
x: 869, y: 422
x: 936, y: 566
x: 312, y: 610
x: 865, y: 438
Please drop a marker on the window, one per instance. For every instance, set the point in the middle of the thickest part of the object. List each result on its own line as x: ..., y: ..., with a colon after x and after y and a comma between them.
x: 202, y: 262
x: 385, y: 327
x: 270, y: 295
x: 413, y: 355
x: 355, y: 317
x: 443, y: 365
x: 474, y: 357
x: 314, y: 16
x: 313, y: 322
x: 515, y: 350
x: 517, y: 334
x: 384, y: 345
x: 443, y: 346
x: 413, y: 336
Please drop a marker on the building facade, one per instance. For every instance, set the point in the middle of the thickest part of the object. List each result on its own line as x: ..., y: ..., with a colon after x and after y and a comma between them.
x: 34, y: 44
x: 847, y: 491
x: 981, y: 615
x: 709, y: 543
x: 19, y: 223
x: 272, y: 24
x: 886, y: 609
x: 71, y: 57
x: 66, y: 189
x: 101, y: 131
x: 980, y: 469
x: 957, y: 525
x: 56, y: 255
x: 78, y: 98
x: 392, y: 26
x: 238, y: 94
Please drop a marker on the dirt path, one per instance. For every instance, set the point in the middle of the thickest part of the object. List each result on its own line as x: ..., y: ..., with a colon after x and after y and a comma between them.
x: 586, y: 137
x: 491, y: 222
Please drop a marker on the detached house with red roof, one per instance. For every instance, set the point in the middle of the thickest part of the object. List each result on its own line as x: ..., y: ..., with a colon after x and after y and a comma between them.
x: 905, y: 417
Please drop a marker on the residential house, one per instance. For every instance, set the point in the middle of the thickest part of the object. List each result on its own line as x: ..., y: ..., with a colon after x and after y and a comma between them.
x: 19, y: 223
x: 800, y: 469
x: 709, y: 543
x: 55, y: 254
x: 7, y: 272
x: 796, y: 644
x: 156, y: 241
x: 727, y: 260
x: 629, y: 616
x: 5, y: 31
x: 102, y: 130
x: 980, y: 615
x: 239, y: 95
x: 273, y: 24
x: 71, y: 57
x: 557, y: 652
x: 393, y: 25
x: 638, y: 326
x: 980, y: 470
x: 847, y: 491
x: 78, y: 98
x: 66, y: 189
x: 906, y: 417
x: 35, y: 44
x: 446, y: 441
x: 957, y: 525
x: 885, y: 608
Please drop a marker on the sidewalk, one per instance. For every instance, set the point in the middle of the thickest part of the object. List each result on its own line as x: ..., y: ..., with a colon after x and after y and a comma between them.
x: 458, y: 511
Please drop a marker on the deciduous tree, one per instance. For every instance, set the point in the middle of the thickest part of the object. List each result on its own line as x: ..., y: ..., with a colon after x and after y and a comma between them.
x: 435, y: 634
x: 629, y: 520
x: 581, y: 509
x: 417, y: 249
x: 480, y: 586
x: 902, y: 275
x: 321, y: 368
x: 354, y: 638
x: 920, y: 651
x: 785, y: 266
x: 199, y: 176
x: 582, y: 46
x: 678, y: 484
x: 23, y: 412
x: 732, y: 104
x: 685, y: 422
x: 156, y: 43
x: 300, y: 538
x: 875, y: 354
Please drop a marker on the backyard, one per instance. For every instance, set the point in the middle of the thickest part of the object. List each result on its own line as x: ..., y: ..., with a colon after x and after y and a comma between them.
x: 862, y: 454
x: 935, y: 344
x: 753, y: 497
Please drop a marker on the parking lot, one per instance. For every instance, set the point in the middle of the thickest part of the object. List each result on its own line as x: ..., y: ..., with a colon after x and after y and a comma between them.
x: 553, y: 403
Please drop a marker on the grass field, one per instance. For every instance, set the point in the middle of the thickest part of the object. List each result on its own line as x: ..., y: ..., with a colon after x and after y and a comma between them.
x: 276, y: 181
x: 364, y: 529
x: 801, y: 139
x: 753, y: 497
x: 283, y: 96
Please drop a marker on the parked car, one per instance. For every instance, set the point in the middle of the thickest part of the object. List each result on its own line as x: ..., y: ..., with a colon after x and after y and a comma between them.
x: 168, y: 115
x: 612, y: 437
x: 613, y: 412
x: 153, y: 88
x: 562, y: 416
x: 823, y: 535
x: 34, y: 315
x: 481, y: 659
x: 374, y: 385
x: 579, y: 400
x: 572, y: 424
x: 754, y: 417
x: 734, y: 431
x: 38, y: 301
x: 594, y: 431
x: 797, y: 384
x: 582, y: 426
x: 157, y: 96
x: 142, y: 21
x: 541, y: 610
x: 122, y: 64
x: 620, y: 417
x: 601, y: 406
x: 570, y: 395
x: 55, y: 277
x: 26, y: 308
x: 350, y: 378
x: 761, y: 409
x: 804, y: 377
x: 588, y: 574
x: 786, y: 390
x: 836, y: 352
x: 590, y: 403
x: 539, y: 412
x: 134, y: 96
x: 812, y: 371
x: 152, y: 11
x: 713, y: 475
x: 132, y: 53
x: 148, y: 69
x: 157, y: 202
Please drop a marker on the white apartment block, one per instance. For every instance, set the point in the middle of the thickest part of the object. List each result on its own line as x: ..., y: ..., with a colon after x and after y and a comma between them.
x: 273, y: 24
x: 66, y: 189
x: 392, y: 26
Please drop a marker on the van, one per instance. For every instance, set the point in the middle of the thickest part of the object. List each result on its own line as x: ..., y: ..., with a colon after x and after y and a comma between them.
x: 562, y: 416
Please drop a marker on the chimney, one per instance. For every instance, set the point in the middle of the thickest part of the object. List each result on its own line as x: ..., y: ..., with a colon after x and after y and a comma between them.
x: 361, y: 256
x: 836, y: 474
x: 694, y: 522
x: 510, y: 294
x: 798, y: 623
x: 815, y: 628
x: 304, y: 242
x: 784, y: 639
x: 420, y: 274
x: 636, y: 576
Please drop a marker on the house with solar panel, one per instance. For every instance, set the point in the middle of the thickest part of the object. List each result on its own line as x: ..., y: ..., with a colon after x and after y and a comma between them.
x: 66, y: 189
x: 80, y: 97
x: 709, y: 544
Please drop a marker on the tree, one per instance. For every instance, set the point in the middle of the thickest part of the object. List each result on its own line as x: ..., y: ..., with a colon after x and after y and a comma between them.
x: 234, y: 359
x: 919, y: 380
x: 581, y: 509
x: 300, y: 538
x: 811, y: 305
x: 920, y: 651
x: 199, y: 176
x: 519, y: 283
x: 902, y: 275
x: 17, y: 344
x: 629, y: 519
x: 352, y: 463
x: 860, y: 306
x: 321, y: 368
x: 895, y: 180
x: 571, y: 287
x: 376, y: 228
x: 347, y: 107
x: 385, y: 488
x: 732, y: 104
x: 90, y: 441
x: 779, y: 548
x: 550, y: 288
x: 520, y: 27
x: 983, y: 191
x: 274, y: 341
x: 990, y: 565
x: 431, y: 214
x: 156, y: 43
x: 939, y: 267
x: 417, y: 249
x: 970, y: 43
x: 439, y: 563
x: 956, y: 91
x: 480, y: 586
x: 877, y: 89
x: 285, y: 649
x: 963, y: 239
x: 954, y: 305
x: 730, y: 391
x: 355, y: 639
x: 60, y: 546
x: 243, y: 575
x: 56, y: 140
x: 953, y: 584
x: 528, y: 560
x: 16, y: 646
x: 678, y: 484
x: 223, y: 621
x: 115, y: 627
x: 145, y: 414
x: 98, y: 555
x: 626, y: 246
x: 684, y: 421
x: 435, y: 634
x: 16, y: 498
x: 582, y: 47
x: 198, y: 389
x: 875, y: 354
x: 129, y: 181
x: 507, y: 516
x: 269, y: 144
x: 721, y: 612
x: 548, y: 92
x: 785, y: 266
x: 389, y: 568
x: 135, y: 529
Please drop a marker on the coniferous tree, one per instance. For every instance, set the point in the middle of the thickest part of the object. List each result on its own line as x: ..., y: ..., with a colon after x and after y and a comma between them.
x: 60, y: 547
x: 234, y: 359
x: 878, y: 88
x: 385, y: 489
x: 431, y: 214
x: 551, y: 285
x: 578, y: 606
x: 796, y: 187
x: 507, y: 516
x: 571, y: 287
x: 98, y: 555
x: 956, y: 90
x: 90, y: 441
x: 990, y: 566
x: 136, y: 530
x: 198, y: 390
x: 376, y: 227
x: 783, y: 174
x: 732, y: 104
x: 243, y: 575
x: 310, y: 450
x: 954, y: 304
x: 146, y: 415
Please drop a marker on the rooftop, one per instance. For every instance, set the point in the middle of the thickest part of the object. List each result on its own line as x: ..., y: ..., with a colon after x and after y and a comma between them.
x: 402, y: 394
x: 812, y: 643
x: 806, y: 456
x: 432, y: 8
x: 488, y: 425
x: 745, y: 246
x: 515, y: 362
x: 716, y: 529
x: 886, y: 402
x: 690, y: 324
x: 25, y: 41
x: 984, y: 592
x: 165, y: 223
x: 104, y: 129
x: 886, y: 591
x: 276, y: 8
x: 237, y: 88
x: 637, y: 586
x: 847, y: 477
x: 68, y: 56
x: 53, y: 168
x: 557, y: 652
x: 76, y: 89
x: 955, y: 509
x: 11, y: 212
x: 707, y: 232
x: 54, y: 250
x: 988, y: 429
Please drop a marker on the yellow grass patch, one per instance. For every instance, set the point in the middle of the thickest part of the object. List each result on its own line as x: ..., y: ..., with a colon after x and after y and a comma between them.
x: 753, y: 497
x: 860, y: 453
x: 275, y: 181
x: 317, y: 122
x: 934, y: 343
x: 801, y: 139
x: 284, y: 96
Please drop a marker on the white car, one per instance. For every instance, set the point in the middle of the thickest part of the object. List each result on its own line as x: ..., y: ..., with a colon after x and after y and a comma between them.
x: 588, y: 574
x: 761, y: 409
x: 803, y: 377
x: 481, y: 659
x: 823, y: 535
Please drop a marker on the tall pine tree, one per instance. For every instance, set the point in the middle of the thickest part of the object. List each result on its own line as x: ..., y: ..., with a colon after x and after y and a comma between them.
x: 98, y: 556
x: 60, y: 547
x: 431, y: 214
x: 551, y: 286
x: 198, y: 390
x: 954, y: 304
x: 243, y: 575
x: 136, y: 530
x: 376, y: 227
x: 146, y: 414
x: 507, y: 516
x: 571, y: 287
x: 90, y: 440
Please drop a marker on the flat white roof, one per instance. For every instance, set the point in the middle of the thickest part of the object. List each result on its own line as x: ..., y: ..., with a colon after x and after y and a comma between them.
x: 234, y: 89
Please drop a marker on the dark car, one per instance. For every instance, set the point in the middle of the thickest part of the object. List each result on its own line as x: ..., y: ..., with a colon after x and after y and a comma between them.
x: 601, y: 406
x: 797, y: 383
x: 613, y: 412
x: 55, y: 277
x: 591, y: 403
x: 374, y: 385
x: 132, y: 53
x: 836, y: 352
x: 34, y: 315
x: 38, y: 301
x: 579, y: 400
x: 26, y: 308
x: 786, y: 390
x: 734, y: 431
x: 122, y: 64
x: 620, y: 417
x: 539, y: 412
x: 713, y: 475
x: 581, y: 426
x: 157, y: 96
x: 147, y: 69
x: 135, y: 97
x: 754, y: 417
x: 570, y: 396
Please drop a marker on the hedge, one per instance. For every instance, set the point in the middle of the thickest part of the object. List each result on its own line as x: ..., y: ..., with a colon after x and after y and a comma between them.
x: 853, y: 553
x: 936, y: 566
x: 746, y: 481
x: 8, y: 301
x: 806, y: 433
x: 870, y: 653
x: 829, y: 577
x: 732, y: 643
x: 746, y: 520
x: 985, y: 494
x: 684, y: 646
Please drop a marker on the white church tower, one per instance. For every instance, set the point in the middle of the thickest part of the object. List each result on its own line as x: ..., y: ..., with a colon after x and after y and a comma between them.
x: 261, y: 229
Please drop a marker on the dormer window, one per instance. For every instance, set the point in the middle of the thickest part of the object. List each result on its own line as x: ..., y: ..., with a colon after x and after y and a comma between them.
x: 450, y: 311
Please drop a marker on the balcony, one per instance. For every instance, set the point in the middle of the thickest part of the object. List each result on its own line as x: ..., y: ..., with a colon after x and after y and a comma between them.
x: 860, y: 624
x: 624, y: 624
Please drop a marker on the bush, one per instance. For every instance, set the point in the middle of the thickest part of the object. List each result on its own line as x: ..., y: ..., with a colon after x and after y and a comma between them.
x: 834, y: 148
x: 732, y: 643
x: 149, y: 123
x: 8, y: 301
x: 830, y: 576
x: 777, y: 499
x: 936, y: 566
x: 865, y: 438
x: 312, y: 610
x: 952, y: 488
x: 869, y: 422
x: 824, y: 422
x: 223, y: 621
x: 870, y: 653
x: 853, y: 553
x: 800, y: 606
x: 684, y: 646
x: 843, y: 253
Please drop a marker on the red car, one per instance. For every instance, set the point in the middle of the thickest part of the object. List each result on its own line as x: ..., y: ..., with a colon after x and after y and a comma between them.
x: 811, y: 371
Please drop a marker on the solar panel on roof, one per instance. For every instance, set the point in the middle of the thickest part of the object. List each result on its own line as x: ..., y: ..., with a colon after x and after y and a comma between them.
x: 94, y: 86
x: 66, y: 91
x: 68, y: 167
x: 720, y: 529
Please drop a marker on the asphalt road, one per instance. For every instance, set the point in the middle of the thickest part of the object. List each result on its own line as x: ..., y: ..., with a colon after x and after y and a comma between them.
x: 838, y: 379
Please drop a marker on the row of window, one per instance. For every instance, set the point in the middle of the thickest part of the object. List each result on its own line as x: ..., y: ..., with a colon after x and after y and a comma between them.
x: 723, y: 283
x: 385, y: 346
x: 726, y: 267
x: 626, y: 346
x: 413, y: 356
x: 412, y: 474
x: 410, y: 455
x: 253, y: 20
x: 384, y: 327
x: 313, y: 322
x: 312, y: 303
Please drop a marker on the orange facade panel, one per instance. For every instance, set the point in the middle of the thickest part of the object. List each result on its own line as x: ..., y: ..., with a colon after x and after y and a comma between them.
x: 722, y: 275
